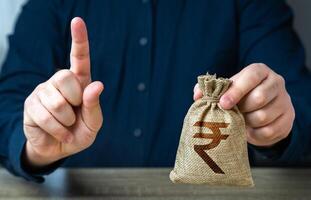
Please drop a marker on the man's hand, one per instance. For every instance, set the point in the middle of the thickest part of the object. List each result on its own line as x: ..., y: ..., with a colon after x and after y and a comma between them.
x: 261, y: 96
x: 62, y: 115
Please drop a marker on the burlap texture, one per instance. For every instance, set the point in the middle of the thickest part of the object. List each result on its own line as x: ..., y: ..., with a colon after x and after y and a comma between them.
x: 221, y: 135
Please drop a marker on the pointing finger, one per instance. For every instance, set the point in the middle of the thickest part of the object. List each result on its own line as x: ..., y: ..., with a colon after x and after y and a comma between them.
x: 80, y: 52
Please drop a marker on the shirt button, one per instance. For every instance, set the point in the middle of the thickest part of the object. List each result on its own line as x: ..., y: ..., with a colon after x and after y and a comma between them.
x: 143, y: 41
x: 141, y: 87
x: 137, y: 132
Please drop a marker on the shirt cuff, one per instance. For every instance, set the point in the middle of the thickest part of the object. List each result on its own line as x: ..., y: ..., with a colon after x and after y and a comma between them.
x: 16, y: 149
x: 282, y: 153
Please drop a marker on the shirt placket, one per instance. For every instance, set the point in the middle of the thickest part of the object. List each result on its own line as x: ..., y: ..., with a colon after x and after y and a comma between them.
x: 142, y: 66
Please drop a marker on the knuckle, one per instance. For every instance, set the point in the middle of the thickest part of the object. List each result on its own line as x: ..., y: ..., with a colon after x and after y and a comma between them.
x: 268, y: 133
x: 27, y: 102
x: 63, y: 76
x: 257, y: 67
x: 280, y: 80
x: 81, y: 50
x: 41, y: 93
x: 261, y: 117
x: 58, y: 105
x: 261, y: 66
x: 40, y: 87
x: 257, y: 70
x: 252, y: 72
x: 255, y: 76
x: 29, y: 105
x: 80, y: 56
x: 275, y: 85
x: 45, y: 119
x: 259, y: 98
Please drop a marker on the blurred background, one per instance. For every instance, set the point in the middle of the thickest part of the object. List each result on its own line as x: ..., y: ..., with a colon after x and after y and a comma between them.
x: 302, y: 24
x: 10, y: 9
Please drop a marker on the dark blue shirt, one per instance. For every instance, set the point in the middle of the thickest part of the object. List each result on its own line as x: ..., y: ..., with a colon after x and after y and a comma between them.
x: 148, y: 54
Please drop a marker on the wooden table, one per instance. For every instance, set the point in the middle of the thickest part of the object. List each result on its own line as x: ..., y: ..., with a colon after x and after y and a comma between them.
x: 271, y: 183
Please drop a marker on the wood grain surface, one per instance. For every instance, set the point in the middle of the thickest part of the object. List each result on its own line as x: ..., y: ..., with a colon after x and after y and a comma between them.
x: 153, y: 183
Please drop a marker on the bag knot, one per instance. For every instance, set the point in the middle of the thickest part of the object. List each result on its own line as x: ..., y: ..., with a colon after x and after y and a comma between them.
x: 212, y: 87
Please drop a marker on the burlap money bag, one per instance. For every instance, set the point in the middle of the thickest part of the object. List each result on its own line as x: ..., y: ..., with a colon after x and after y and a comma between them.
x: 212, y: 148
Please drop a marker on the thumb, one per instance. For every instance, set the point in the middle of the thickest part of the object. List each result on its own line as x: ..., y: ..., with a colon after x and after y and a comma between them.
x: 197, y: 93
x: 91, y: 110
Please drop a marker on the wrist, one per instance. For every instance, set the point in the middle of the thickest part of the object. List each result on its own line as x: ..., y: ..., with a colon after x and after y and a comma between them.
x: 35, y: 161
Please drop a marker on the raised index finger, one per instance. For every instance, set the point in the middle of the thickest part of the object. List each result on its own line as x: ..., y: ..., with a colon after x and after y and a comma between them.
x: 243, y: 82
x: 80, y: 52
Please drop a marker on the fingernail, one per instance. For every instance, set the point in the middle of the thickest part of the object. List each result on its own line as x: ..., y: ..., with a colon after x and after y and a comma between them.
x: 68, y: 139
x: 226, y: 102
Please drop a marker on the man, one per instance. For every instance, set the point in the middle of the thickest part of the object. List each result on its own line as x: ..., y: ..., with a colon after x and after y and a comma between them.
x: 148, y: 54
